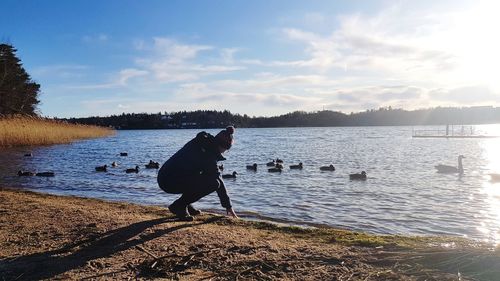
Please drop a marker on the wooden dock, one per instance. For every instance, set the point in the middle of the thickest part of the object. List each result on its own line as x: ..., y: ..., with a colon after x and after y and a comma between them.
x: 456, y: 137
x: 451, y: 133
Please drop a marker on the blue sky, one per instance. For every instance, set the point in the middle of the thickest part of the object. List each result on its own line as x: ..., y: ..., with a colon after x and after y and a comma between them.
x: 260, y: 58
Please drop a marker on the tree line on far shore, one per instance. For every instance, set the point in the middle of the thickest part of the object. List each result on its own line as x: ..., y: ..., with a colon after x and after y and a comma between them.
x: 205, y: 119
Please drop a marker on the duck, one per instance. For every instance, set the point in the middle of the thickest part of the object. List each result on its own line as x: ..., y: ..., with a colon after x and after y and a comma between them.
x: 101, y: 168
x: 45, y: 174
x: 299, y: 166
x: 136, y: 170
x: 495, y: 177
x: 252, y: 167
x: 230, y: 176
x: 271, y: 164
x: 28, y: 155
x: 114, y: 164
x: 152, y: 165
x: 360, y: 176
x: 446, y: 169
x: 279, y: 161
x: 276, y: 169
x: 327, y: 168
x: 123, y: 154
x: 25, y: 174
x: 221, y: 167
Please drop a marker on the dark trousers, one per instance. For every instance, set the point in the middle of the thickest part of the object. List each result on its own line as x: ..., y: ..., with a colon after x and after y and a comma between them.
x: 192, y: 188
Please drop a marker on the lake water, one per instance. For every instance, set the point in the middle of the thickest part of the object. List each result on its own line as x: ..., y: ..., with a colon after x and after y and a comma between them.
x: 402, y: 195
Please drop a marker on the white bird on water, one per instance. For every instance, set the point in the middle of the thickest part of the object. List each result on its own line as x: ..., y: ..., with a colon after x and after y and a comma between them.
x: 445, y: 169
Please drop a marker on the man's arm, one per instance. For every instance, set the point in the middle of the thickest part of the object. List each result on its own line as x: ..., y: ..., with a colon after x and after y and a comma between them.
x: 224, y: 199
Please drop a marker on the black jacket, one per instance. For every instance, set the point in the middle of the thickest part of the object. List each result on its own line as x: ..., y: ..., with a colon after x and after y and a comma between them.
x: 197, y: 157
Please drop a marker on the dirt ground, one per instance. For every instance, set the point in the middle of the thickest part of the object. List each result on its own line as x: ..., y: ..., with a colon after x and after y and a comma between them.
x: 52, y: 237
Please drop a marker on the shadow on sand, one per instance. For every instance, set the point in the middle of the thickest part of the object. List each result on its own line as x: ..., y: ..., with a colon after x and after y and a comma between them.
x: 49, y: 264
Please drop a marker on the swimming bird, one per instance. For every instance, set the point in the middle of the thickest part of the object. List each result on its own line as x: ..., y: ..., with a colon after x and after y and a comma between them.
x: 279, y: 161
x: 360, y: 176
x: 101, y: 168
x: 495, y: 177
x: 114, y: 164
x: 123, y: 154
x: 271, y: 164
x: 221, y: 167
x: 45, y: 174
x: 152, y: 165
x: 230, y: 176
x: 277, y: 169
x: 136, y: 170
x: 25, y: 173
x: 252, y: 167
x: 327, y: 168
x: 299, y: 166
x: 28, y: 155
x: 446, y: 169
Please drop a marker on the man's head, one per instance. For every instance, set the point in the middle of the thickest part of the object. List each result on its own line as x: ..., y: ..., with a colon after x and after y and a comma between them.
x: 224, y: 138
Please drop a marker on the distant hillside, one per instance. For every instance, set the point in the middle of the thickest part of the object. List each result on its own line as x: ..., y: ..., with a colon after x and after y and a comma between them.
x: 326, y: 118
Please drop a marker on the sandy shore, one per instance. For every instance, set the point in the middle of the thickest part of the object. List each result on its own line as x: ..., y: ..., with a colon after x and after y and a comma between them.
x: 54, y: 237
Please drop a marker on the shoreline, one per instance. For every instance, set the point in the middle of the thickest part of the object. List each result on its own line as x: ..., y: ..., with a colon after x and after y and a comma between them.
x: 256, y: 217
x: 44, y: 236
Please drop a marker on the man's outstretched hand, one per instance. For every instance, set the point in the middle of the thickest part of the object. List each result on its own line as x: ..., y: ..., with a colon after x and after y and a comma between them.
x: 230, y: 212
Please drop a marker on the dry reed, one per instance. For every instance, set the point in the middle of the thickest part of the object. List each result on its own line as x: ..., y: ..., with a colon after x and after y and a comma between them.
x: 25, y: 131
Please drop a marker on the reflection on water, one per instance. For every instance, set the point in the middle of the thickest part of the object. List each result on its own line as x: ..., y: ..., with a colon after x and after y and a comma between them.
x: 491, y: 152
x: 403, y: 193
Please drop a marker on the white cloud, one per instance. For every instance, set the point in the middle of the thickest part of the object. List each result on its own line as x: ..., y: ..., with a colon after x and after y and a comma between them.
x: 314, y: 18
x: 120, y: 79
x: 471, y: 95
x: 227, y: 55
x: 129, y: 73
x: 351, y: 47
x: 239, y: 99
x: 96, y: 38
x: 172, y: 61
x: 439, y: 47
x: 60, y: 70
x: 121, y: 106
x: 380, y: 94
x: 173, y: 51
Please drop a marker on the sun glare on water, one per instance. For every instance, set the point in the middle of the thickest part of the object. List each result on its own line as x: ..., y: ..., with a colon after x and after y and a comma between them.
x: 491, y: 147
x: 491, y: 152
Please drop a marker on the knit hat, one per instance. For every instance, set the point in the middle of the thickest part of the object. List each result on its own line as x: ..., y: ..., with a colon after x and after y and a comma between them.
x: 225, y: 137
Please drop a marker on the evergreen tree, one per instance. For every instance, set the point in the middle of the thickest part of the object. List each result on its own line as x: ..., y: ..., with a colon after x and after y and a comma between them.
x: 18, y: 93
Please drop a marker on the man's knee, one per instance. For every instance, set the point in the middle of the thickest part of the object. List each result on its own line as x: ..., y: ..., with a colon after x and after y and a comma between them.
x: 169, y: 188
x: 208, y: 185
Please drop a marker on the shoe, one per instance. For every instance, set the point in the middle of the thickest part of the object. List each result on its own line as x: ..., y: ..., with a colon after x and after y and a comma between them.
x: 180, y: 212
x: 192, y: 211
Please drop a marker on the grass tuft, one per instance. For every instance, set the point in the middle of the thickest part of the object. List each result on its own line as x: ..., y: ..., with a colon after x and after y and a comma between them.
x: 27, y: 131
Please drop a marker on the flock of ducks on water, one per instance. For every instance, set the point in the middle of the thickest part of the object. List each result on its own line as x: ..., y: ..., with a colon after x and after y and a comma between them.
x: 42, y: 174
x: 276, y: 166
x: 151, y: 165
x: 30, y: 174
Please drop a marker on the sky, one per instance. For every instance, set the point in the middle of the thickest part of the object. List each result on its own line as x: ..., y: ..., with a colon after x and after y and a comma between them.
x: 259, y: 57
